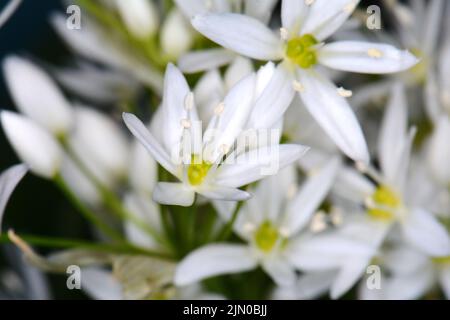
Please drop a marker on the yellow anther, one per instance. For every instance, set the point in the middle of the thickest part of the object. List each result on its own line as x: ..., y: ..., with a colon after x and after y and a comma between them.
x: 344, y: 92
x: 374, y: 53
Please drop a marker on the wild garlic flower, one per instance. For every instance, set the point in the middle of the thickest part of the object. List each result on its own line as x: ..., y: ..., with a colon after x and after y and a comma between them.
x: 301, y: 48
x: 272, y: 224
x: 202, y: 162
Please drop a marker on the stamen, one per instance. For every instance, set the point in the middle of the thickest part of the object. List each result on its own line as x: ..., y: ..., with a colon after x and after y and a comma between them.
x: 292, y: 191
x: 249, y: 227
x: 284, y: 33
x: 374, y: 53
x: 344, y: 93
x: 224, y: 148
x: 284, y: 232
x: 318, y: 222
x: 336, y: 217
x: 185, y: 123
x: 309, y: 2
x: 219, y: 109
x: 298, y: 86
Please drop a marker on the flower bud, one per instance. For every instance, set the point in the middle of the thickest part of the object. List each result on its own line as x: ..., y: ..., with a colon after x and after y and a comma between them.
x: 33, y: 144
x: 100, y: 144
x: 176, y: 34
x: 36, y: 95
x: 139, y: 16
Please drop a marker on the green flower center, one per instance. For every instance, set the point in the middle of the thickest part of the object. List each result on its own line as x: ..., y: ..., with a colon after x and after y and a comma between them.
x: 442, y: 260
x: 197, y: 171
x: 300, y: 51
x: 266, y: 236
x: 385, y: 199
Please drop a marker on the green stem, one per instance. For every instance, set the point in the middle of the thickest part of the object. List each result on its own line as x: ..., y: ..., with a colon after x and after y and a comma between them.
x: 86, y: 212
x: 228, y: 228
x: 80, y: 244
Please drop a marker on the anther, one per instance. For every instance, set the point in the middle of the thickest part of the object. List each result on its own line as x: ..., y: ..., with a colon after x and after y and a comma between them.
x: 344, y: 92
x: 374, y: 53
x: 298, y: 86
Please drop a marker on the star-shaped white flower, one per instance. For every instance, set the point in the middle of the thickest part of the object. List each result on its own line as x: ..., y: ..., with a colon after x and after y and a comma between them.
x: 301, y: 48
x: 209, y: 164
x: 270, y: 223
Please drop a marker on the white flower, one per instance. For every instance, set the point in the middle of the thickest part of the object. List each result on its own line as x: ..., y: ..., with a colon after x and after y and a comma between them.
x: 201, y: 170
x: 36, y: 95
x: 8, y: 182
x: 177, y: 35
x: 271, y: 223
x: 33, y: 144
x: 8, y: 11
x: 140, y: 17
x: 305, y: 26
x: 387, y: 204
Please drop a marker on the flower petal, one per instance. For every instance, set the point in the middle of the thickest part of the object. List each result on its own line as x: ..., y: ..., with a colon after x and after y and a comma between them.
x: 257, y: 164
x: 334, y: 115
x: 293, y: 13
x: 439, y: 151
x: 212, y: 260
x: 37, y: 95
x: 224, y: 193
x: 444, y: 278
x: 170, y: 193
x: 349, y: 274
x: 393, y: 132
x: 240, y: 33
x: 325, y: 17
x: 144, y: 136
x: 280, y: 271
x: 422, y: 230
x: 197, y: 61
x: 100, y: 284
x: 312, y: 193
x: 274, y: 99
x: 365, y: 57
x: 260, y: 9
x: 8, y: 182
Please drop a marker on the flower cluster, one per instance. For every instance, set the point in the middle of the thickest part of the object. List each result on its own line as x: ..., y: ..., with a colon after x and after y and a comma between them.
x: 215, y: 141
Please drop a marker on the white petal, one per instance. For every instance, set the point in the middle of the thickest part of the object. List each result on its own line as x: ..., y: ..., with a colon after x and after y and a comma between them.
x: 240, y: 33
x: 432, y: 24
x: 352, y: 185
x: 258, y: 163
x: 309, y: 286
x: 224, y: 193
x: 280, y: 271
x: 410, y: 286
x: 325, y: 17
x: 326, y: 252
x: 100, y: 142
x: 424, y: 231
x: 308, y: 199
x: 213, y: 260
x: 334, y: 115
x: 348, y: 276
x: 237, y: 108
x: 140, y: 17
x: 293, y: 13
x: 192, y: 7
x: 392, y: 137
x: 439, y: 151
x: 100, y: 284
x: 8, y: 182
x: 34, y: 145
x: 37, y: 95
x: 141, y: 133
x: 176, y: 90
x: 365, y: 57
x: 274, y: 99
x: 404, y: 260
x: 197, y: 61
x: 176, y: 35
x: 173, y: 194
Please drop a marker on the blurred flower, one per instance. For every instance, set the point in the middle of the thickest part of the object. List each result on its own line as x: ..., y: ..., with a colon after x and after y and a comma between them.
x: 176, y: 35
x: 37, y: 96
x: 33, y: 144
x: 140, y: 16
